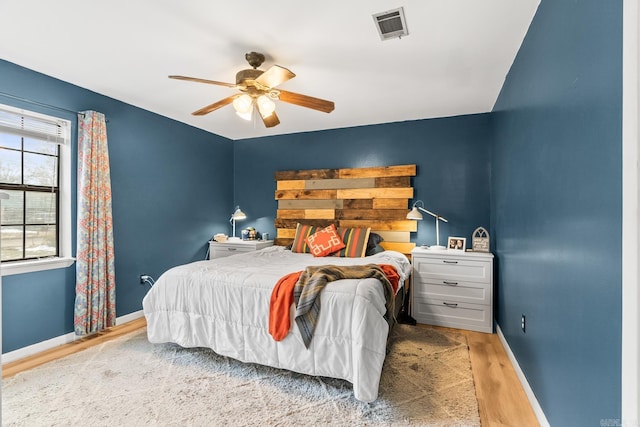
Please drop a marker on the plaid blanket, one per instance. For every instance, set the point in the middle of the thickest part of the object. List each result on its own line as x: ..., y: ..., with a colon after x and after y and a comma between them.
x: 314, y: 279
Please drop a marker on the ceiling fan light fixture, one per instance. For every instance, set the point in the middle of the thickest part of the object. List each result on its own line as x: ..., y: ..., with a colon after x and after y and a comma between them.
x: 243, y: 103
x: 243, y: 106
x: 265, y: 106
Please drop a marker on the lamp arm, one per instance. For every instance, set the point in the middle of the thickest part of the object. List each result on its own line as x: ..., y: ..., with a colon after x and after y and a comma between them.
x: 426, y: 211
x: 432, y: 214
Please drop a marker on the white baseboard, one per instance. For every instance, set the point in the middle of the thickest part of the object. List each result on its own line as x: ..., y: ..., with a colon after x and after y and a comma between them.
x: 30, y: 350
x: 129, y: 317
x: 537, y: 409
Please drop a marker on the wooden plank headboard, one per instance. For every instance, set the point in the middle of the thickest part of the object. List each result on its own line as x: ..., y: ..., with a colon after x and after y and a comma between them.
x: 376, y: 197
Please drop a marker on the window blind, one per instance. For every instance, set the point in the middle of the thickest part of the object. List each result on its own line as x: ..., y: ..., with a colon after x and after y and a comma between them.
x: 33, y: 126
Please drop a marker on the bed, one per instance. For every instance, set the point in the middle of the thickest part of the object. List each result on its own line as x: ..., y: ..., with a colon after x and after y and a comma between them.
x: 223, y: 304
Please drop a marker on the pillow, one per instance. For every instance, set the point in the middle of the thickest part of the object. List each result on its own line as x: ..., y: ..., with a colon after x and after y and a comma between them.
x: 303, y: 231
x: 355, y: 241
x: 373, y: 244
x: 376, y: 249
x: 325, y: 241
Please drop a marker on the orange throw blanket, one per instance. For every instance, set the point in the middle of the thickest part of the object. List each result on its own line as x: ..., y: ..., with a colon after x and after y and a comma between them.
x: 282, y: 298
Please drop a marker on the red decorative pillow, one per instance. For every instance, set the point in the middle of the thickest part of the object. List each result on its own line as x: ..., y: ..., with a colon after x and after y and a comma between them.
x: 325, y: 241
x: 355, y: 241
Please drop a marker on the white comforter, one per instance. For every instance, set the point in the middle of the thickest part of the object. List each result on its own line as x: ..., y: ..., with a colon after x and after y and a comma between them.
x: 223, y: 304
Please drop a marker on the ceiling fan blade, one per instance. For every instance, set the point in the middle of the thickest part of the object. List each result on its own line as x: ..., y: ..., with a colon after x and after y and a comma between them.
x: 274, y: 76
x: 214, y: 106
x: 271, y: 120
x: 306, y: 101
x: 195, y: 79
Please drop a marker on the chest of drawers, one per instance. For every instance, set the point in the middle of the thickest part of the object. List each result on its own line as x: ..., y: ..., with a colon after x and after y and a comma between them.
x: 453, y: 289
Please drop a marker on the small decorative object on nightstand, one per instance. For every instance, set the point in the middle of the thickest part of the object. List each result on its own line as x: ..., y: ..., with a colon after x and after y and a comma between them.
x: 453, y: 289
x: 232, y: 247
x: 249, y: 233
x: 480, y: 240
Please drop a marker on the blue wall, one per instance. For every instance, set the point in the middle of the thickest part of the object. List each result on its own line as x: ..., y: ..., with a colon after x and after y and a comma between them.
x: 452, y: 157
x: 557, y: 209
x: 171, y: 189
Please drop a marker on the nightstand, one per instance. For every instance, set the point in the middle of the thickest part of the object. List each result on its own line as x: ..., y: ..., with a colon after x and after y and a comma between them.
x: 232, y: 247
x: 453, y: 288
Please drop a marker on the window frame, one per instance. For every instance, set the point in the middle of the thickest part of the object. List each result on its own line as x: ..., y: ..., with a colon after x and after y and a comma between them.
x: 64, y: 258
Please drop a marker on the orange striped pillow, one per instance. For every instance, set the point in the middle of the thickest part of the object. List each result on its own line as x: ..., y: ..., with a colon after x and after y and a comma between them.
x: 299, y: 242
x: 355, y: 240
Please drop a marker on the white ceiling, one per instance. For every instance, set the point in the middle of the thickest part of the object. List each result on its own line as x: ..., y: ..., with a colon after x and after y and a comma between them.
x: 453, y: 62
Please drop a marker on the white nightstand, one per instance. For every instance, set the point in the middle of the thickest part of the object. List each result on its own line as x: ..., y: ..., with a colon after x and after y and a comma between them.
x: 232, y: 247
x: 453, y: 289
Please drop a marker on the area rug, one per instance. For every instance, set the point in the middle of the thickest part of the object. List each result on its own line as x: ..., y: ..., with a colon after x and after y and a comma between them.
x: 426, y: 380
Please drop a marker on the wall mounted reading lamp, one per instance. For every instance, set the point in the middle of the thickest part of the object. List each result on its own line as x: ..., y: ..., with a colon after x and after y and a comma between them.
x: 237, y: 215
x: 416, y: 215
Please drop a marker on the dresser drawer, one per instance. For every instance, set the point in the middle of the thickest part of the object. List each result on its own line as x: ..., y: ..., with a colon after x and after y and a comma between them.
x: 459, y: 291
x: 451, y: 268
x: 451, y: 314
x: 224, y: 251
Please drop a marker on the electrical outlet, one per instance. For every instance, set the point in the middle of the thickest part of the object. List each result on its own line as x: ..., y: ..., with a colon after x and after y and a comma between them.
x: 145, y: 279
x: 523, y: 324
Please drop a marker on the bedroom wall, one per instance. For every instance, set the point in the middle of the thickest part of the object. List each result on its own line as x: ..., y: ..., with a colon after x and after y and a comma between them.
x: 556, y: 209
x: 452, y: 157
x: 168, y: 199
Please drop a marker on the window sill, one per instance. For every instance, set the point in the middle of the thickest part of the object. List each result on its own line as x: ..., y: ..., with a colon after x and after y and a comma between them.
x: 20, y: 267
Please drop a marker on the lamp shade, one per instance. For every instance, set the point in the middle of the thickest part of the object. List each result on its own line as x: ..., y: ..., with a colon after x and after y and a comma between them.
x: 238, y: 214
x: 414, y: 214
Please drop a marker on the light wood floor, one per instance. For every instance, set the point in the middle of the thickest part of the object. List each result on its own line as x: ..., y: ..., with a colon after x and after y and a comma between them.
x: 501, y: 398
x: 10, y: 369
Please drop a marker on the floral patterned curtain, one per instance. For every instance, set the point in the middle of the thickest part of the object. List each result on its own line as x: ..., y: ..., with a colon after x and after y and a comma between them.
x: 95, y: 304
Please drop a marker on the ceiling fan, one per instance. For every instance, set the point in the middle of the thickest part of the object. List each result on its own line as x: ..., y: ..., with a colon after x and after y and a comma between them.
x: 258, y: 88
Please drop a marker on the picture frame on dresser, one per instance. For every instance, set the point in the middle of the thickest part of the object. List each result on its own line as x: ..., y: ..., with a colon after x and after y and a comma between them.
x: 457, y: 243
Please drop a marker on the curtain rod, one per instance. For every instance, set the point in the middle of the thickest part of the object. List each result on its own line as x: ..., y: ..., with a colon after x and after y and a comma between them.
x: 41, y: 104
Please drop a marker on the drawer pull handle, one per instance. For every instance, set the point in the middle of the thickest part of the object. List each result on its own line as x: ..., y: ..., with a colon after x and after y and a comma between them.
x: 449, y: 262
x: 232, y: 249
x: 450, y: 283
x: 449, y: 304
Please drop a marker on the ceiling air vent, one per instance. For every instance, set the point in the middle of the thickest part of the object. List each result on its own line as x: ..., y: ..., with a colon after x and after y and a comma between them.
x: 391, y: 24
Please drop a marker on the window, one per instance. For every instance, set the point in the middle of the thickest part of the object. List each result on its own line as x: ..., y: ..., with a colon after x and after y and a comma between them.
x: 35, y: 173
